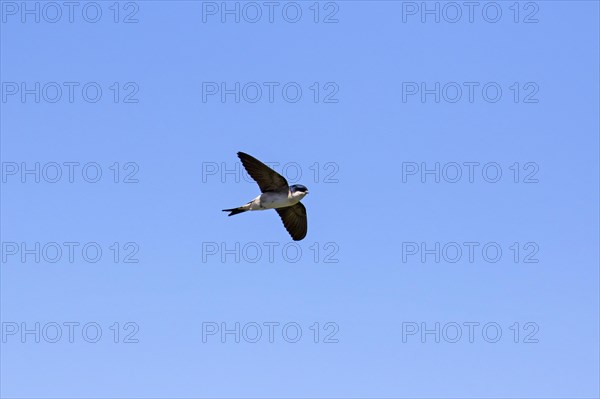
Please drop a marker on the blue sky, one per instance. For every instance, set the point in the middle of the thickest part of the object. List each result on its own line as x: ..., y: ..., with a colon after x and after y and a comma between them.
x: 451, y: 155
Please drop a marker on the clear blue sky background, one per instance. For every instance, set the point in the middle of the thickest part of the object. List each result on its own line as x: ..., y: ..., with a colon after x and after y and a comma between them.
x: 173, y: 214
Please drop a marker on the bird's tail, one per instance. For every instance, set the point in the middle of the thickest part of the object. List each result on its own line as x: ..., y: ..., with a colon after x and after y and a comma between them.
x: 235, y: 211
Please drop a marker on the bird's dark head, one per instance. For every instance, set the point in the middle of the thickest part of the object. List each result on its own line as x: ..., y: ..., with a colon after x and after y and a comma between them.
x: 298, y: 188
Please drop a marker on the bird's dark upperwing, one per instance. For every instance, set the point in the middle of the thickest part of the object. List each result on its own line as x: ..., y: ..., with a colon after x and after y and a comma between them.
x: 268, y: 180
x: 294, y: 219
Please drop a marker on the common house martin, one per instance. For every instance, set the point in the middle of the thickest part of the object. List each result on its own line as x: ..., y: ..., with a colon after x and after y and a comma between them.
x: 276, y: 194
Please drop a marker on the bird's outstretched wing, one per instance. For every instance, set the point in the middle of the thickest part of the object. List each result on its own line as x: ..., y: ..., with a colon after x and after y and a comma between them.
x: 295, y: 221
x: 268, y: 180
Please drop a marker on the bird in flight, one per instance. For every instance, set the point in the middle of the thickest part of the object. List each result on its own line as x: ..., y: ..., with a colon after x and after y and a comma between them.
x: 276, y: 194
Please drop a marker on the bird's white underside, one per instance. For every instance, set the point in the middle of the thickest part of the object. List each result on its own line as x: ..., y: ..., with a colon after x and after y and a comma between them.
x: 273, y: 201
